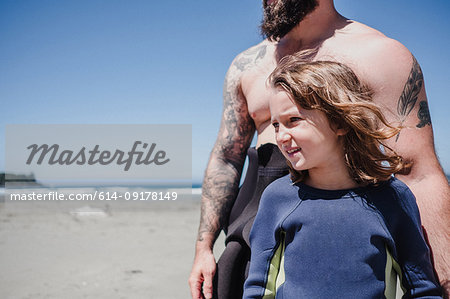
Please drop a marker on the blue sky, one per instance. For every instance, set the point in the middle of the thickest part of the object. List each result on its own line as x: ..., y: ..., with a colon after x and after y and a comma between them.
x: 163, y: 62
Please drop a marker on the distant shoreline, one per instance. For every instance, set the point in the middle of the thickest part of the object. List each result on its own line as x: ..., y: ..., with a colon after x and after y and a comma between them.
x: 29, y: 180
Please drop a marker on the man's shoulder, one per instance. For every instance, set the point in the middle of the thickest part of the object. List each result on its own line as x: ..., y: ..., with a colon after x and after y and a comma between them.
x: 384, y: 50
x: 252, y: 56
x: 369, y: 45
x: 379, y: 61
x: 248, y: 64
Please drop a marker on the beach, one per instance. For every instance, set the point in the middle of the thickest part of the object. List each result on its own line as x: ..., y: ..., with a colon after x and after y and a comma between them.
x: 98, y: 249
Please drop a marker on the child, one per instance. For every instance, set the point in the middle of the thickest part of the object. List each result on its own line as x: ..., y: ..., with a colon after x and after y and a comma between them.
x: 340, y: 226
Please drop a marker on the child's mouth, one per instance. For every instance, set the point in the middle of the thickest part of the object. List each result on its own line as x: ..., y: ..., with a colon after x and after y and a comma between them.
x: 293, y: 151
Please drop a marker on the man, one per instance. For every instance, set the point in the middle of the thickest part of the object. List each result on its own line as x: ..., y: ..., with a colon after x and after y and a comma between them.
x: 384, y: 64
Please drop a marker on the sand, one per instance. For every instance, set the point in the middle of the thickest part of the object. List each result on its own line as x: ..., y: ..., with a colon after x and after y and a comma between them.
x: 98, y: 251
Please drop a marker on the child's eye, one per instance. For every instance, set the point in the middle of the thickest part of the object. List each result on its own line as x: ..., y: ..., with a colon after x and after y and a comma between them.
x: 294, y: 119
x: 275, y: 125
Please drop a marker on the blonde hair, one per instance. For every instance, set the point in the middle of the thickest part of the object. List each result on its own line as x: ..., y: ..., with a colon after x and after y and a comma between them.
x: 333, y: 88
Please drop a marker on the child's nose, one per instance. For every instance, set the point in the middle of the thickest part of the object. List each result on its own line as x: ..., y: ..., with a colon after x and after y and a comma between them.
x: 283, y: 135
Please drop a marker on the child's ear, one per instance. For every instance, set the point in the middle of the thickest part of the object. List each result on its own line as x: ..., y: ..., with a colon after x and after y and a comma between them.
x: 341, y: 131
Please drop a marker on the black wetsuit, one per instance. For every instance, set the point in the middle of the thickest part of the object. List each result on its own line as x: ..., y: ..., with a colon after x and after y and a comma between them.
x: 266, y: 164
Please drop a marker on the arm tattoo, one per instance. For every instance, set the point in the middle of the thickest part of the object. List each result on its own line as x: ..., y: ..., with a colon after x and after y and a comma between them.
x: 237, y: 126
x: 216, y: 186
x: 221, y: 182
x: 410, y: 93
x: 423, y: 115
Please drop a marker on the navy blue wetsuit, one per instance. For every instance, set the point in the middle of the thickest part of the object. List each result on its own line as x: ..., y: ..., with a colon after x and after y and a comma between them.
x: 312, y: 243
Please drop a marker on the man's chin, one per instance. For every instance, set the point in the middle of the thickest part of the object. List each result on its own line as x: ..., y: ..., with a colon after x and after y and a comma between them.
x: 281, y: 18
x: 276, y: 35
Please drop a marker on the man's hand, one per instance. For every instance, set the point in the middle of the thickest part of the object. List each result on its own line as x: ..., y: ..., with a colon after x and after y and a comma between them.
x: 202, y: 274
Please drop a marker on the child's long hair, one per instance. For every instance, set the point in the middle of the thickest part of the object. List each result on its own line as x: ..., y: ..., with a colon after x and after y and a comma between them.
x: 333, y: 88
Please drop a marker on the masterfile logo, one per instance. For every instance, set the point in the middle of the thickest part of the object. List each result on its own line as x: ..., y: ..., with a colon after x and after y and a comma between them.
x: 100, y: 152
x: 94, y: 156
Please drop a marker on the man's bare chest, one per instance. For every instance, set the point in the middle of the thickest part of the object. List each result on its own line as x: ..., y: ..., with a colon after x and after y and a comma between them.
x: 257, y: 92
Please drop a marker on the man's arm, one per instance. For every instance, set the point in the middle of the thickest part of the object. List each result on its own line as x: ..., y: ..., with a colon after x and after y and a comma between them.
x: 426, y: 178
x: 399, y: 87
x: 222, y: 176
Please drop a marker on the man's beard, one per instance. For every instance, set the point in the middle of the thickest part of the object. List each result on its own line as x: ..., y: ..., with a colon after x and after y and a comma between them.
x: 282, y: 16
